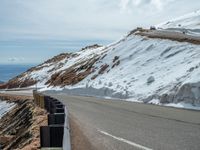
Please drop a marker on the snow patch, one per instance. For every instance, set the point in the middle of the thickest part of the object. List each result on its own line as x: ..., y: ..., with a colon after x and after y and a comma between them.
x: 5, y: 107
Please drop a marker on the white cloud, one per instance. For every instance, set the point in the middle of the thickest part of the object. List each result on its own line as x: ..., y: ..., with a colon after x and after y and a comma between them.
x: 83, y: 20
x: 127, y: 5
x: 16, y: 59
x: 101, y: 21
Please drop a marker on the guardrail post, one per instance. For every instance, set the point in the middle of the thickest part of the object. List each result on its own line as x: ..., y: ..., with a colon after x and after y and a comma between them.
x: 58, y: 118
x: 51, y: 136
x: 56, y: 134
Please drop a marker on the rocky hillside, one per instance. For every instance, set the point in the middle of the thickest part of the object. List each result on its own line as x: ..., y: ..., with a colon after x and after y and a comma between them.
x: 19, y: 128
x: 154, y: 66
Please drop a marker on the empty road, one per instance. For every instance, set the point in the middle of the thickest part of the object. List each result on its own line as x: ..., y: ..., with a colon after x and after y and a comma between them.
x: 121, y: 125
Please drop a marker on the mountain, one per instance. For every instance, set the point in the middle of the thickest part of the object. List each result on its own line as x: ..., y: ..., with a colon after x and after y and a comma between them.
x: 1, y: 82
x: 148, y: 65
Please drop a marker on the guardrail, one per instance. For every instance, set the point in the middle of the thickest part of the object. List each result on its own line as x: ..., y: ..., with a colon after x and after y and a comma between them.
x: 56, y: 135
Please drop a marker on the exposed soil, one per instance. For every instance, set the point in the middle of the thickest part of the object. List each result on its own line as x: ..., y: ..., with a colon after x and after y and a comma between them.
x: 20, y: 127
x: 21, y: 81
x: 16, y: 83
x: 74, y: 74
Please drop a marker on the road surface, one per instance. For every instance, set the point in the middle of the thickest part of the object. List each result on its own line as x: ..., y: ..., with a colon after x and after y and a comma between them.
x: 28, y: 92
x: 120, y: 125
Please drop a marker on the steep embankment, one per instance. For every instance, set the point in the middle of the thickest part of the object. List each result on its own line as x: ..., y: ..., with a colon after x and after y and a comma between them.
x: 154, y: 66
x: 19, y: 128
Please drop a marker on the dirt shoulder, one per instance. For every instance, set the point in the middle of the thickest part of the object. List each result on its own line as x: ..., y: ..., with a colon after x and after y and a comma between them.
x: 78, y: 140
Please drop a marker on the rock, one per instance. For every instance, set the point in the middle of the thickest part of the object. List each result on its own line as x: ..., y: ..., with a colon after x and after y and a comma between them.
x: 103, y: 68
x: 150, y: 80
x: 5, y: 139
x: 74, y: 74
x: 166, y: 98
x: 91, y: 46
x: 115, y: 59
x: 116, y: 63
x: 94, y: 76
x: 19, y: 128
x: 110, y: 84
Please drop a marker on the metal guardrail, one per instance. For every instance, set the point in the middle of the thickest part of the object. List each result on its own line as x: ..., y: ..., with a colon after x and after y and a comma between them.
x: 56, y: 134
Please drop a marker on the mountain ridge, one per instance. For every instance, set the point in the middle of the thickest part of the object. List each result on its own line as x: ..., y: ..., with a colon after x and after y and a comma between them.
x: 146, y: 65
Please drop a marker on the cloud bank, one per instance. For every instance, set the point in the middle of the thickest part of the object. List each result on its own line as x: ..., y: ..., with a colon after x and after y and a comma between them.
x: 49, y: 26
x: 128, y: 5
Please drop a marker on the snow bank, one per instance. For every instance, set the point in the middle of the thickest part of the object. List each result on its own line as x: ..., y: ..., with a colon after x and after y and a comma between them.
x: 177, y: 105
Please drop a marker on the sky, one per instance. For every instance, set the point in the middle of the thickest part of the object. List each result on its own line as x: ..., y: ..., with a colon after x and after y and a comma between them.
x: 33, y: 30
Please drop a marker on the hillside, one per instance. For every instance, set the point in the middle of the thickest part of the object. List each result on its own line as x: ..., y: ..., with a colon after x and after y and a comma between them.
x: 189, y: 23
x: 142, y: 66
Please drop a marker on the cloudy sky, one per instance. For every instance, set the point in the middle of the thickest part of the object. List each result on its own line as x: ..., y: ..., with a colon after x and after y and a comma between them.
x: 34, y: 30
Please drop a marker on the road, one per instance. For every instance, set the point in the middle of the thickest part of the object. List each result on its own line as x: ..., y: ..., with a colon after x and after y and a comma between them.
x: 28, y: 92
x: 171, y: 35
x: 121, y: 125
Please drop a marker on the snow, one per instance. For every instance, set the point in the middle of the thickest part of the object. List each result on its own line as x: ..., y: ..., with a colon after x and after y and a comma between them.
x: 183, y: 105
x: 148, y: 68
x: 168, y: 62
x: 141, y: 59
x: 5, y: 107
x: 177, y: 105
x: 189, y: 23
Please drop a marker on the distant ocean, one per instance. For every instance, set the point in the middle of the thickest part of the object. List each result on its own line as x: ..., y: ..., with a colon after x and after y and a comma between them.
x: 9, y: 71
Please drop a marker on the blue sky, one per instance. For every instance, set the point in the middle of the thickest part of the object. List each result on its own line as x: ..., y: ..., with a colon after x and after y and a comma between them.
x: 34, y: 30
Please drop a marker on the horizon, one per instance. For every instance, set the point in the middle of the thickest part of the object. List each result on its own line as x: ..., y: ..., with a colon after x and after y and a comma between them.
x: 32, y: 32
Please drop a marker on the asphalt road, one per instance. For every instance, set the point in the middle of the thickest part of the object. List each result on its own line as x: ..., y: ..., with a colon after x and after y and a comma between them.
x: 120, y: 125
x: 28, y: 92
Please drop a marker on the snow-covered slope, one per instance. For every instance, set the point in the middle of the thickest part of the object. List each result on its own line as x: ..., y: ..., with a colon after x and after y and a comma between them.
x: 188, y: 21
x: 137, y: 68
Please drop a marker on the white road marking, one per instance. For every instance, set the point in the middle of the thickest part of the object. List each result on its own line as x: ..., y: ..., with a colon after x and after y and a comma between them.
x: 125, y: 141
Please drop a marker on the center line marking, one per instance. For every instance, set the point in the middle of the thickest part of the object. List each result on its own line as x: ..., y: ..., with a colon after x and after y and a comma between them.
x: 125, y: 141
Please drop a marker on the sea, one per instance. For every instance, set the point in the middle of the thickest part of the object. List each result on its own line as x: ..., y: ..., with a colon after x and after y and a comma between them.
x: 8, y: 71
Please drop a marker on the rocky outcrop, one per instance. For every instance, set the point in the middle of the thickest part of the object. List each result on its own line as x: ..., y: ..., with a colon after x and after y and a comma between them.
x: 17, y: 83
x: 23, y: 80
x: 91, y: 47
x: 73, y: 74
x: 19, y: 128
